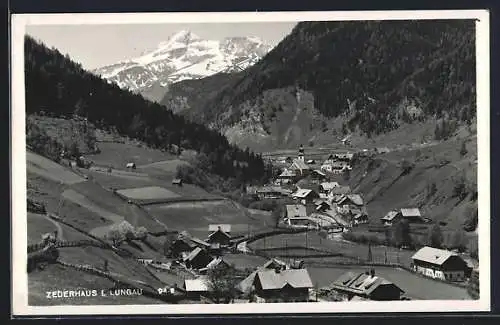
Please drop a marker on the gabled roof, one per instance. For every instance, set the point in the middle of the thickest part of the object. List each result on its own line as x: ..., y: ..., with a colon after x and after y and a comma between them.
x: 296, y: 210
x: 192, y: 255
x: 273, y: 263
x: 340, y: 190
x: 329, y: 185
x: 433, y: 255
x: 302, y: 193
x: 319, y: 172
x: 272, y: 280
x: 299, y: 164
x: 410, y: 212
x: 223, y: 227
x: 354, y: 198
x: 359, y: 283
x: 360, y: 215
x: 390, y: 215
x: 196, y: 285
x: 288, y: 173
x: 246, y: 284
x: 200, y: 242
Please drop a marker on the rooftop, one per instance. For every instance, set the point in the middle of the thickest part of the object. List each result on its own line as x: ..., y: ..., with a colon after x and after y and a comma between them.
x: 359, y: 283
x: 433, y: 255
x: 224, y: 227
x: 296, y: 210
x: 196, y: 285
x: 296, y: 278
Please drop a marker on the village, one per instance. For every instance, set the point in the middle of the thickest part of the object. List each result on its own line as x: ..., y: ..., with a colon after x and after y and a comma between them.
x: 317, y: 203
x: 312, y: 203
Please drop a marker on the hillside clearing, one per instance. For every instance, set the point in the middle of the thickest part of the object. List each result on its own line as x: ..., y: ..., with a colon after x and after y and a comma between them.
x: 48, y: 169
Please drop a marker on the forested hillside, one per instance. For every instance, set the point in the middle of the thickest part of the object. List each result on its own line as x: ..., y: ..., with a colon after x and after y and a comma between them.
x: 374, y: 75
x: 60, y: 87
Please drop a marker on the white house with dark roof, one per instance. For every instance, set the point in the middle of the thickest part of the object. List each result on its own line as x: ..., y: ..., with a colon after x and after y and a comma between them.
x: 439, y: 264
x: 412, y: 215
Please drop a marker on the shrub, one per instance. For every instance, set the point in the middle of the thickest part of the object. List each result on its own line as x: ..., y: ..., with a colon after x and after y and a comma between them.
x: 435, y: 236
x: 471, y: 218
x: 406, y: 166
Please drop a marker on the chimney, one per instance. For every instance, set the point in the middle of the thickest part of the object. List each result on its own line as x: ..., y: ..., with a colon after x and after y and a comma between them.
x: 372, y: 273
x: 277, y: 269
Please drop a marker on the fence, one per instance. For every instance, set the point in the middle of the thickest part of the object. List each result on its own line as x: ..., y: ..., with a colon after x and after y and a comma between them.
x: 147, y: 290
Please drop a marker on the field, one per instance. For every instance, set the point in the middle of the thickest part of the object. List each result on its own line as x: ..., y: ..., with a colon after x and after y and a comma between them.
x: 313, y: 244
x: 148, y: 193
x: 40, y: 224
x: 117, y: 155
x: 196, y: 216
x: 415, y: 286
x: 48, y: 169
x: 166, y: 166
x: 242, y: 261
x: 57, y: 277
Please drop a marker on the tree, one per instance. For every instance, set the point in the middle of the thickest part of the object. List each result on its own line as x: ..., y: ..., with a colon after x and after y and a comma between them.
x: 435, y: 236
x: 471, y: 218
x: 463, y: 149
x: 115, y: 236
x: 141, y: 233
x: 431, y: 189
x: 277, y: 211
x: 457, y: 240
x: 222, y: 284
x: 401, y: 234
x: 406, y: 166
x: 167, y: 244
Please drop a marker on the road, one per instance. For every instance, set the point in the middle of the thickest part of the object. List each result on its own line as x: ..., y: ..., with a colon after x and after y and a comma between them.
x: 60, y: 233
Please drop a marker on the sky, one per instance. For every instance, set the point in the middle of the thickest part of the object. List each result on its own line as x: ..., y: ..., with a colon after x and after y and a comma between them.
x: 94, y: 46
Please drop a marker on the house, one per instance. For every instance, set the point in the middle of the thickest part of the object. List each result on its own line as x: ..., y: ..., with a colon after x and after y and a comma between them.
x: 196, y: 288
x: 351, y: 200
x: 311, y: 161
x: 366, y: 285
x: 337, y: 192
x: 290, y: 285
x: 287, y: 176
x: 328, y: 186
x: 411, y: 214
x: 391, y: 218
x: 216, y: 263
x: 131, y: 165
x: 197, y: 259
x: 295, y: 210
x: 318, y: 175
x: 346, y: 141
x: 245, y: 286
x: 305, y: 195
x: 181, y: 245
x: 300, y: 167
x: 334, y: 167
x: 439, y: 264
x: 177, y: 181
x: 359, y: 218
x: 221, y: 236
x: 144, y: 259
x: 321, y: 205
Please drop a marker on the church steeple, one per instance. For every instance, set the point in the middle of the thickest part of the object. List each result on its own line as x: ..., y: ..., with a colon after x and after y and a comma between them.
x: 301, y: 153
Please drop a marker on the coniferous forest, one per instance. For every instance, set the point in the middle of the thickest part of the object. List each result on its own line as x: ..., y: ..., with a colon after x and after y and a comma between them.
x: 62, y: 88
x: 377, y: 64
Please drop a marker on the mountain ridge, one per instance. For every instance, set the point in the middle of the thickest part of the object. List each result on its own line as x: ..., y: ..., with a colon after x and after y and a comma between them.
x: 183, y: 56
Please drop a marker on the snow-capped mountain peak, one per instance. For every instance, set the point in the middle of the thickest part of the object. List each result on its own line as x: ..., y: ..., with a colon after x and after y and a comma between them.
x: 184, y: 55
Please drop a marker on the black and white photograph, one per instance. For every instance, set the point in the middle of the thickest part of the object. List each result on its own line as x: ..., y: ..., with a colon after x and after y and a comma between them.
x: 209, y: 162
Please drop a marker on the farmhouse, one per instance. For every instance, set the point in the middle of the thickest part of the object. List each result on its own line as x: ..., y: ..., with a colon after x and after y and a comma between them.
x: 197, y: 258
x: 290, y: 285
x: 245, y: 286
x: 335, y: 167
x: 196, y: 288
x: 131, y: 165
x: 440, y: 264
x: 220, y: 234
x: 305, y: 195
x: 366, y: 285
